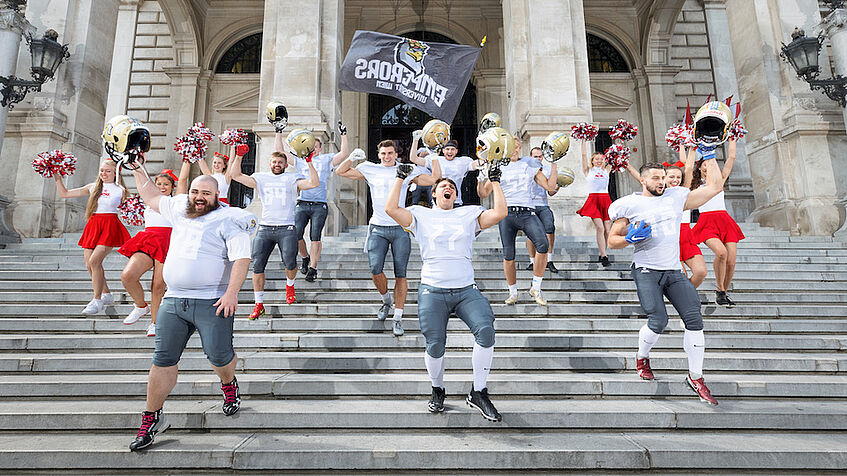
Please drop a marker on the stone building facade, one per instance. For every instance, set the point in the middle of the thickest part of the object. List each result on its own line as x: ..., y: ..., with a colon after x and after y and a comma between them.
x: 547, y: 65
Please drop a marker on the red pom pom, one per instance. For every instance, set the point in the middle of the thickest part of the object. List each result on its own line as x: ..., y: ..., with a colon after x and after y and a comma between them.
x: 617, y: 156
x: 233, y: 137
x: 193, y: 145
x: 680, y: 134
x: 737, y: 130
x: 584, y: 131
x: 132, y: 211
x: 56, y: 162
x: 623, y: 130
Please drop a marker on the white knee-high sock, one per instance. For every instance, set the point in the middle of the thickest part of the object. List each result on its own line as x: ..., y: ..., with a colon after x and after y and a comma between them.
x: 482, y: 358
x: 646, y: 340
x: 694, y: 343
x: 435, y: 368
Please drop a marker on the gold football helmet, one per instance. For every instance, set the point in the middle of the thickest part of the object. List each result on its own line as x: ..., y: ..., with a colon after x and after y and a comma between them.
x: 565, y: 176
x: 302, y: 142
x: 555, y: 146
x: 495, y: 145
x: 712, y: 123
x: 492, y: 119
x: 436, y: 133
x: 277, y: 115
x: 125, y: 139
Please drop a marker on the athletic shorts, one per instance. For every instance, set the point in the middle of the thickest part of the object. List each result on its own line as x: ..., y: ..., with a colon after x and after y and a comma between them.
x: 380, y: 238
x: 284, y: 237
x: 175, y: 323
x: 310, y: 212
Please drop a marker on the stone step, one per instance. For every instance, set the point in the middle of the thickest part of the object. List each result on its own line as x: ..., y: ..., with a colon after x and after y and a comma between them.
x: 401, y: 414
x: 203, y: 384
x: 494, y: 449
x: 358, y: 361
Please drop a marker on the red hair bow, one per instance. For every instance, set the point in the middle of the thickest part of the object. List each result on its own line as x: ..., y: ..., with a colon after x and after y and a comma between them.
x: 170, y: 173
x: 218, y: 154
x: 678, y: 163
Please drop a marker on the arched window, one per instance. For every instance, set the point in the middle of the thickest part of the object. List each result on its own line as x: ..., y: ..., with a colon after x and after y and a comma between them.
x: 242, y: 57
x: 603, y: 57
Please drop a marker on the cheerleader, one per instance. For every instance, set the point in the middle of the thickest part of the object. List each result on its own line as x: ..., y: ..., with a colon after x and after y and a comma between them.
x: 148, y: 249
x: 597, y: 204
x: 103, y: 231
x: 717, y: 229
x: 689, y: 253
x: 220, y: 171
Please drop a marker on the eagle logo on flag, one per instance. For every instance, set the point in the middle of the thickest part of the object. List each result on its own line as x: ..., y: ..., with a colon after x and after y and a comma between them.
x: 410, y: 54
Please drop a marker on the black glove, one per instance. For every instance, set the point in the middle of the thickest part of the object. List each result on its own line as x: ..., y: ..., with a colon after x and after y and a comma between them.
x: 404, y: 170
x: 342, y: 129
x: 494, y: 173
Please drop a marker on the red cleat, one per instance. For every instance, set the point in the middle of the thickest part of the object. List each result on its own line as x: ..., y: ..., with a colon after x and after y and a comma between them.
x: 258, y: 310
x: 642, y: 366
x: 703, y: 392
x: 289, y: 294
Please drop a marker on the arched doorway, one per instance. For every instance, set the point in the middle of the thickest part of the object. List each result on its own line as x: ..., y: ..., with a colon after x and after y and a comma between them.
x: 390, y: 118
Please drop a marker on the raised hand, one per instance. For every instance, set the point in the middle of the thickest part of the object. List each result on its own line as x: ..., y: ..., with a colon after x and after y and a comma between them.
x: 241, y: 150
x: 494, y: 173
x: 342, y: 129
x: 404, y: 170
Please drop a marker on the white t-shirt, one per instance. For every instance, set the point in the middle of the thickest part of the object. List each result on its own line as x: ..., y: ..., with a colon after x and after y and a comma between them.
x: 279, y: 196
x: 323, y: 166
x: 686, y: 216
x: 714, y: 204
x: 516, y: 180
x: 202, y: 249
x: 110, y: 198
x: 380, y: 179
x: 455, y: 170
x: 598, y: 180
x: 663, y: 214
x: 223, y: 187
x: 154, y: 218
x: 537, y: 193
x: 446, y: 241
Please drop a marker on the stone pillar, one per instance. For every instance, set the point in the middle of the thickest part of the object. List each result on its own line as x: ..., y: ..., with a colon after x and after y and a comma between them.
x: 793, y: 132
x: 547, y: 86
x: 740, y: 185
x: 835, y: 26
x: 122, y: 58
x: 301, y: 58
x: 68, y: 114
x: 13, y: 26
x: 183, y: 109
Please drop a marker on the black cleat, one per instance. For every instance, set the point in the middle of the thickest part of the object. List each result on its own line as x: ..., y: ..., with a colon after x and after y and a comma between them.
x: 552, y: 267
x: 232, y: 400
x: 436, y: 401
x: 304, y: 265
x: 604, y: 260
x: 311, y: 275
x: 152, y: 423
x: 481, y: 402
x: 529, y: 266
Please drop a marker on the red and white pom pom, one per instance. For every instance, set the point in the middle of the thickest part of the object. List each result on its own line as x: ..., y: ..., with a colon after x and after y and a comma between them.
x: 56, y: 162
x: 617, y: 156
x: 680, y: 134
x: 132, y: 211
x: 623, y: 130
x: 584, y: 131
x: 201, y: 131
x: 233, y: 137
x: 190, y: 148
x: 737, y: 130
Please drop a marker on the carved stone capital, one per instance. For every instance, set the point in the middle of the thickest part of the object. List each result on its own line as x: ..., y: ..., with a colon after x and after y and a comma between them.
x: 835, y: 21
x: 14, y: 21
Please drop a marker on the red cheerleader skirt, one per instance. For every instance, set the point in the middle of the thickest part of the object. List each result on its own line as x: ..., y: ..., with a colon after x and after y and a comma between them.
x: 154, y: 242
x: 717, y: 224
x: 223, y: 200
x: 687, y: 246
x: 103, y: 229
x: 596, y: 206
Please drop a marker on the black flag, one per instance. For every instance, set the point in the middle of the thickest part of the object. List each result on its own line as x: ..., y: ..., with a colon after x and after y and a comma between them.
x: 429, y: 76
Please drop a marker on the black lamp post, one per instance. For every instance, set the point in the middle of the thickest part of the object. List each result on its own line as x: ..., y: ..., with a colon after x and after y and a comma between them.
x: 47, y: 55
x: 802, y: 55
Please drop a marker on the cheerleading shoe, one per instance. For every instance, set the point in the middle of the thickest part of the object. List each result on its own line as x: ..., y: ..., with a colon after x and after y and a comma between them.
x: 604, y: 260
x: 436, y: 401
x: 232, y: 399
x: 699, y: 386
x: 152, y: 423
x: 481, y: 402
x: 93, y: 307
x: 258, y: 311
x: 289, y: 294
x: 136, y: 314
x: 107, y: 299
x: 151, y: 330
x: 539, y: 298
x: 642, y: 367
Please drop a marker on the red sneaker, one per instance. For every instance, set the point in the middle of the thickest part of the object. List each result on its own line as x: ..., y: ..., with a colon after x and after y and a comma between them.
x: 703, y: 392
x: 258, y: 310
x: 642, y: 366
x: 289, y: 294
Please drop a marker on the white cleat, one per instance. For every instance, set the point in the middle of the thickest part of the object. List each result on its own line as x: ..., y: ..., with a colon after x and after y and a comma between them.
x: 398, y: 327
x: 513, y: 298
x: 136, y: 314
x: 93, y: 307
x: 539, y: 299
x: 151, y: 330
x: 384, y: 311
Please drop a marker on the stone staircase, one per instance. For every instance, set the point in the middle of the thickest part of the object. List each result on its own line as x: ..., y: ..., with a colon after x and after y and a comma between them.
x: 328, y: 388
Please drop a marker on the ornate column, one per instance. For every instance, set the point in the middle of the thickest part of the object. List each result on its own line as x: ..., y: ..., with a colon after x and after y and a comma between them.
x: 835, y: 26
x: 122, y: 58
x: 740, y: 184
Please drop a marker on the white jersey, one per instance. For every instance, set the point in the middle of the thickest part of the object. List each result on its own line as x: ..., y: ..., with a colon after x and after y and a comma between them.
x: 110, y: 198
x: 446, y: 241
x: 598, y: 180
x: 380, y: 179
x: 202, y: 249
x: 516, y: 180
x: 279, y: 196
x: 223, y: 186
x: 714, y: 204
x: 455, y: 170
x: 686, y: 216
x: 537, y: 193
x: 663, y: 214
x: 152, y: 218
x: 323, y: 166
